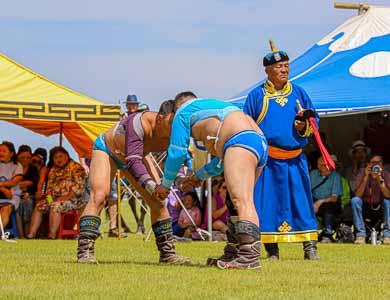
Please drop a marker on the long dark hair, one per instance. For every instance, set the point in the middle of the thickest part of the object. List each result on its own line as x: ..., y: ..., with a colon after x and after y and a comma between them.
x: 54, y: 151
x: 11, y: 148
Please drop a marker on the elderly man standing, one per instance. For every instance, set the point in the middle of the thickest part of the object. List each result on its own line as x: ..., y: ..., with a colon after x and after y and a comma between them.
x: 283, y: 193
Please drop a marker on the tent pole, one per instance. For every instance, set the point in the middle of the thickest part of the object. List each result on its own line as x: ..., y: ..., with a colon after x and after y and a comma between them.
x: 209, y: 204
x: 61, y: 129
x: 362, y: 8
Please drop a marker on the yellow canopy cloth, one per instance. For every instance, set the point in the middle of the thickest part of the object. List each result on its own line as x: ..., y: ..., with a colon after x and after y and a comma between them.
x: 45, y: 107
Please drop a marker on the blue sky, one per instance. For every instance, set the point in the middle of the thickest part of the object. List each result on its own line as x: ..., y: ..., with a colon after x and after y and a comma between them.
x: 108, y: 49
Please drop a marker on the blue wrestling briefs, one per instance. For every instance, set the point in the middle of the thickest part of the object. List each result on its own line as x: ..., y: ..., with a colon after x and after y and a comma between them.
x: 100, y: 144
x: 252, y: 141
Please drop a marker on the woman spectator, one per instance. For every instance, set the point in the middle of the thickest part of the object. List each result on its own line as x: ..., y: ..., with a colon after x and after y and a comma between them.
x: 220, y: 211
x: 10, y: 175
x: 64, y: 192
x: 28, y: 186
x: 39, y: 161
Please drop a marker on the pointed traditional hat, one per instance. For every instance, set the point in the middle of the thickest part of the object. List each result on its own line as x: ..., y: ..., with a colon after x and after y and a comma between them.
x: 274, y: 56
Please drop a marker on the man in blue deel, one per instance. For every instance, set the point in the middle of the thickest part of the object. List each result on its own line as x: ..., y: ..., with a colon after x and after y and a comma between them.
x: 282, y: 193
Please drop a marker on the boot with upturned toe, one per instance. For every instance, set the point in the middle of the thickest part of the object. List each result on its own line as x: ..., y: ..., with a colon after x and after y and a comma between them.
x: 230, y: 250
x: 86, y: 251
x: 166, y: 244
x: 248, y: 255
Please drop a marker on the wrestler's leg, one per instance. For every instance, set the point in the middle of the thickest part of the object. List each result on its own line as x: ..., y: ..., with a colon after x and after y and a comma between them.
x: 240, y: 176
x: 161, y: 225
x: 101, y: 174
x: 141, y: 226
x: 231, y: 248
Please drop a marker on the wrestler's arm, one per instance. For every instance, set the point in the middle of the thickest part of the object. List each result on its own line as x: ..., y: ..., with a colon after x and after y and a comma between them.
x: 213, y: 168
x: 148, y: 162
x: 135, y: 162
x: 177, y: 151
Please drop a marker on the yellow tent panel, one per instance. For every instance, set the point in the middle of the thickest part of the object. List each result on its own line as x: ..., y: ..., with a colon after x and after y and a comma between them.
x: 36, y: 103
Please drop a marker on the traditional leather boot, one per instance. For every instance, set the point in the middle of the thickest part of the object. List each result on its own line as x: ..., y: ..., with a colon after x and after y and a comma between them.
x: 86, y: 251
x: 89, y: 232
x: 272, y: 251
x: 230, y: 251
x: 248, y: 238
x: 166, y: 245
x: 310, y: 249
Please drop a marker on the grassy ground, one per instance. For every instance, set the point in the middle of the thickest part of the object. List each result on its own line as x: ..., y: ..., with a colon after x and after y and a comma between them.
x: 128, y: 269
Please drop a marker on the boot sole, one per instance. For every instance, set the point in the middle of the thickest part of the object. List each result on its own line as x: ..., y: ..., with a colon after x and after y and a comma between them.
x: 88, y: 261
x: 223, y: 266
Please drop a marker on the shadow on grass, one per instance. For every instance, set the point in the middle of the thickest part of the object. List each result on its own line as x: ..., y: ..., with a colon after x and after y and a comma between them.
x: 141, y: 263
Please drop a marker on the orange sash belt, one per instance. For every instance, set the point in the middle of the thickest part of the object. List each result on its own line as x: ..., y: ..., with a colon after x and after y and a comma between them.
x: 279, y: 153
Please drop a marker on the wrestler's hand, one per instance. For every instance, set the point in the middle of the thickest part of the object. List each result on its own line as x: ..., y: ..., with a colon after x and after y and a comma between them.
x: 299, y: 125
x: 195, y: 181
x: 161, y: 193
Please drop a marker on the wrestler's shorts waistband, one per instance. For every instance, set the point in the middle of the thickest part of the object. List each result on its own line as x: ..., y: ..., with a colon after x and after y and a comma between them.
x: 252, y: 141
x: 278, y: 153
x: 100, y: 144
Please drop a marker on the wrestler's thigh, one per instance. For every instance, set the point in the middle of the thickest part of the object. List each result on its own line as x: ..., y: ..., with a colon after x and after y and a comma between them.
x: 239, y: 169
x: 101, y: 174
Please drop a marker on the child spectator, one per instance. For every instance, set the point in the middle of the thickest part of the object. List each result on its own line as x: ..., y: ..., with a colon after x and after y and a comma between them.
x: 10, y: 175
x: 190, y: 201
x: 174, y: 209
x: 28, y: 186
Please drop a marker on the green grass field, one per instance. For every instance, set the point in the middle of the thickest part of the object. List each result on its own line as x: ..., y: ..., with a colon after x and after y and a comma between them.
x: 128, y: 269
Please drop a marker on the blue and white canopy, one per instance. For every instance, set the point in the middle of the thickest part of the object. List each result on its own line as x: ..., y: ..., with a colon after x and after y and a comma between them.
x: 348, y: 71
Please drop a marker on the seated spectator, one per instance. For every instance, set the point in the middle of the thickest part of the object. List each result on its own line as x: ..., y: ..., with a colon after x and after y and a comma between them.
x: 313, y: 152
x: 64, y: 192
x: 28, y: 186
x: 174, y: 209
x: 359, y: 153
x: 372, y: 192
x: 220, y: 210
x: 38, y: 160
x: 326, y: 189
x: 10, y: 175
x: 190, y: 201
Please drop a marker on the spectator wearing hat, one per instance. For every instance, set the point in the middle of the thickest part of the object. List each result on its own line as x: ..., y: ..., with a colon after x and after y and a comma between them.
x: 359, y: 153
x: 372, y: 192
x: 283, y: 192
x: 131, y: 105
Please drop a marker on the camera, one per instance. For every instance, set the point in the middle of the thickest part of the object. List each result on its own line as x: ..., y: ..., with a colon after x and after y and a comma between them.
x: 376, y: 169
